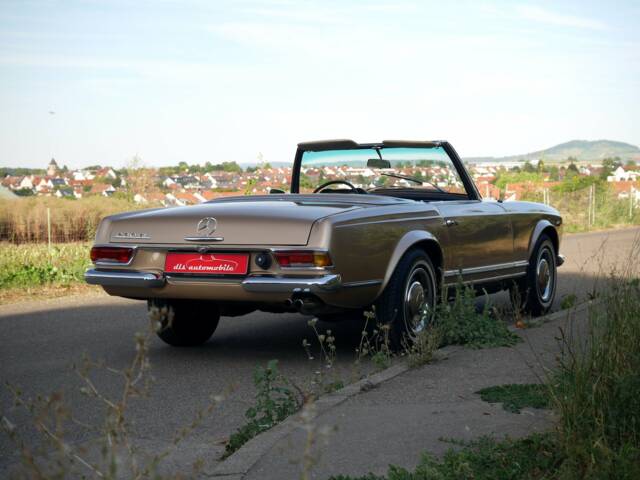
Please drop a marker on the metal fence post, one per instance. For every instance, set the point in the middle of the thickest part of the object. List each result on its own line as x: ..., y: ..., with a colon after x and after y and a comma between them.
x: 49, y: 227
x: 593, y: 196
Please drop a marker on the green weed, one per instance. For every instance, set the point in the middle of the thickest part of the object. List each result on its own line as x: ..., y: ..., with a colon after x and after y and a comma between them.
x: 534, y: 457
x: 596, y: 390
x: 568, y: 301
x: 35, y: 264
x: 460, y: 323
x: 514, y: 397
x: 275, y: 400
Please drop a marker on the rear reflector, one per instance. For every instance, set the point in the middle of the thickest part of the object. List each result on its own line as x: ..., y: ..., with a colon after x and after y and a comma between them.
x: 111, y: 254
x: 303, y: 259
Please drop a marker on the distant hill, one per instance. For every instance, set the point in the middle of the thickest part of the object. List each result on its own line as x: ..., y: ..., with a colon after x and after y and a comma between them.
x: 583, y: 150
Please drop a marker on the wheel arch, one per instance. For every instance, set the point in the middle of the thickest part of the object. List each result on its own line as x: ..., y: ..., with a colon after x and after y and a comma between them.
x: 420, y: 239
x: 544, y: 227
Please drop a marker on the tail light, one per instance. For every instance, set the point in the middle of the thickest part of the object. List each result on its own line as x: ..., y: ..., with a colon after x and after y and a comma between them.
x: 111, y: 254
x: 302, y: 259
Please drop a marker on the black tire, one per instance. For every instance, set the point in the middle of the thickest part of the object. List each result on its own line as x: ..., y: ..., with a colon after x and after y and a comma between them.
x: 184, y: 323
x: 534, y: 294
x: 397, y: 305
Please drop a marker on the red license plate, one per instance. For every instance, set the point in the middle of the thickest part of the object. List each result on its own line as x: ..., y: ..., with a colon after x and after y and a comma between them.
x: 207, y: 263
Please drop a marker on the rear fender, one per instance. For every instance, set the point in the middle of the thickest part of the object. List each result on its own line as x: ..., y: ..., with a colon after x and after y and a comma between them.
x: 406, y: 242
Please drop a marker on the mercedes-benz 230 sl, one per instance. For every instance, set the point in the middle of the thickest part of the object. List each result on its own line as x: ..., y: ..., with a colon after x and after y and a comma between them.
x: 392, y: 224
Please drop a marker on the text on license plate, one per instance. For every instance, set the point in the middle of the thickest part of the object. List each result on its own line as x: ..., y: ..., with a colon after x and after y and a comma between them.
x: 207, y: 263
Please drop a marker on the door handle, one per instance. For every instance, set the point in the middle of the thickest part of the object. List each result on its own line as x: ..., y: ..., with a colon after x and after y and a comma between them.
x: 449, y: 222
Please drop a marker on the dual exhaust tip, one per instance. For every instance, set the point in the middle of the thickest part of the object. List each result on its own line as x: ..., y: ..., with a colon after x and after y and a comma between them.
x: 303, y: 304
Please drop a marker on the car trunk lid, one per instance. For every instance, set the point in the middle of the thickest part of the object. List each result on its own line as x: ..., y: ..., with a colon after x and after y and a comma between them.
x: 232, y: 221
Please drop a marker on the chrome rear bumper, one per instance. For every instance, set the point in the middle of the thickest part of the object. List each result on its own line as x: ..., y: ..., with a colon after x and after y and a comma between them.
x: 123, y: 279
x: 326, y: 283
x: 257, y: 284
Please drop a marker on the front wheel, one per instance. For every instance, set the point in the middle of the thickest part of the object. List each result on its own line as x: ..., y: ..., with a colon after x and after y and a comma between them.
x: 536, y: 291
x: 407, y: 304
x: 184, y: 323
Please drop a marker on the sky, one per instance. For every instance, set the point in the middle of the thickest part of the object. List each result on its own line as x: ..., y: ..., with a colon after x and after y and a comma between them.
x: 100, y: 82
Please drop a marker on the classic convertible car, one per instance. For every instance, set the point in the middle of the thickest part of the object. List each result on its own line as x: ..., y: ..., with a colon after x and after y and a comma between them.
x: 395, y: 224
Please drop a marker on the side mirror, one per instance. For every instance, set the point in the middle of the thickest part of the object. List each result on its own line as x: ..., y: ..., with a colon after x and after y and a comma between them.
x: 378, y: 163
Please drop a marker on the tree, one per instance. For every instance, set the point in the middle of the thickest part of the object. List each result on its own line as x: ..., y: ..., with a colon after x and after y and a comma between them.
x: 24, y: 192
x: 528, y: 167
x: 608, y: 166
x: 541, y: 166
x: 572, y: 170
x: 632, y: 163
x: 139, y: 179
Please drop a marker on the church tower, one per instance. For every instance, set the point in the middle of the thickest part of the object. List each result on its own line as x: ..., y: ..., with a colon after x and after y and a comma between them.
x: 52, y: 169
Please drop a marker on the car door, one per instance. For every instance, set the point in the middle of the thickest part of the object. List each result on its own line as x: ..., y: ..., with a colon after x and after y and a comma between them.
x: 480, y: 244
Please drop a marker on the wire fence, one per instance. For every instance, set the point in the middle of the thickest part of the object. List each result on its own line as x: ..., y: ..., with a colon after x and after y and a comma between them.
x: 46, y: 219
x: 52, y: 220
x: 595, y: 207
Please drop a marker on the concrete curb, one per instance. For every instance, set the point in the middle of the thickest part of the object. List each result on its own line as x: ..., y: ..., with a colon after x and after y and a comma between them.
x: 238, y: 464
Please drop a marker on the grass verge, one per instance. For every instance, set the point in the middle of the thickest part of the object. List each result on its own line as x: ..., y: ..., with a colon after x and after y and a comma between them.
x: 35, y: 269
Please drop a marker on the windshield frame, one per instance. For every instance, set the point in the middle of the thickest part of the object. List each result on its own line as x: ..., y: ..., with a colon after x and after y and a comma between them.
x: 469, y: 185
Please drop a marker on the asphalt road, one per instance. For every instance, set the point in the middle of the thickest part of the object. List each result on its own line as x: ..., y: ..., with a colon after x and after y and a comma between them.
x: 41, y: 340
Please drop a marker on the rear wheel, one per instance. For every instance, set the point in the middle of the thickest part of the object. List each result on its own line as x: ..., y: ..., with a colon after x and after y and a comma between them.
x: 407, y: 304
x: 536, y: 291
x: 184, y: 323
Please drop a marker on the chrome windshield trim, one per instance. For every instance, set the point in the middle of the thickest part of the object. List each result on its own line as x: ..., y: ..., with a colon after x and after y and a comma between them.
x: 114, y: 278
x: 269, y: 284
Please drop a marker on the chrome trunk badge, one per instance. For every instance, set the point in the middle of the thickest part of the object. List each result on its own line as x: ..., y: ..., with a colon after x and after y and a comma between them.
x: 207, y: 226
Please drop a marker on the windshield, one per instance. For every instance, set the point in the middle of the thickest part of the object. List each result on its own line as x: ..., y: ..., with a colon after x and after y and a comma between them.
x: 380, y: 169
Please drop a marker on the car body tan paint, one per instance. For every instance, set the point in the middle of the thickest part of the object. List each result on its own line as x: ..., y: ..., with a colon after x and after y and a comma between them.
x: 365, y: 236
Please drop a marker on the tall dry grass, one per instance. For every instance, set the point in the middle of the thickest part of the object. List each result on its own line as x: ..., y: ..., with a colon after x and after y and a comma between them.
x: 25, y: 220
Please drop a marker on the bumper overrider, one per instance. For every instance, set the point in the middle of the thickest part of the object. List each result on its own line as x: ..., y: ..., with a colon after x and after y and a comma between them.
x: 255, y: 283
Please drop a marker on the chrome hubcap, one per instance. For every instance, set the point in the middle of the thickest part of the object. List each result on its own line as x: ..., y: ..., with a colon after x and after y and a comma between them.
x: 417, y: 300
x: 544, y: 276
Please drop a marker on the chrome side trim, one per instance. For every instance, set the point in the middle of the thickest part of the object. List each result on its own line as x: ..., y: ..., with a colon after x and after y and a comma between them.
x: 487, y: 268
x: 267, y: 284
x: 489, y: 279
x: 111, y: 278
x: 204, y: 239
x: 363, y: 283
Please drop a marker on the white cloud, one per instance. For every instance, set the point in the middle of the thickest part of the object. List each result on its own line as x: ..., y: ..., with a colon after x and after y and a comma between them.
x: 538, y: 14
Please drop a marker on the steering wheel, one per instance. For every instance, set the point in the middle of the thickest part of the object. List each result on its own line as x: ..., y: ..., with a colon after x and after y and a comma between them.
x: 335, y: 182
